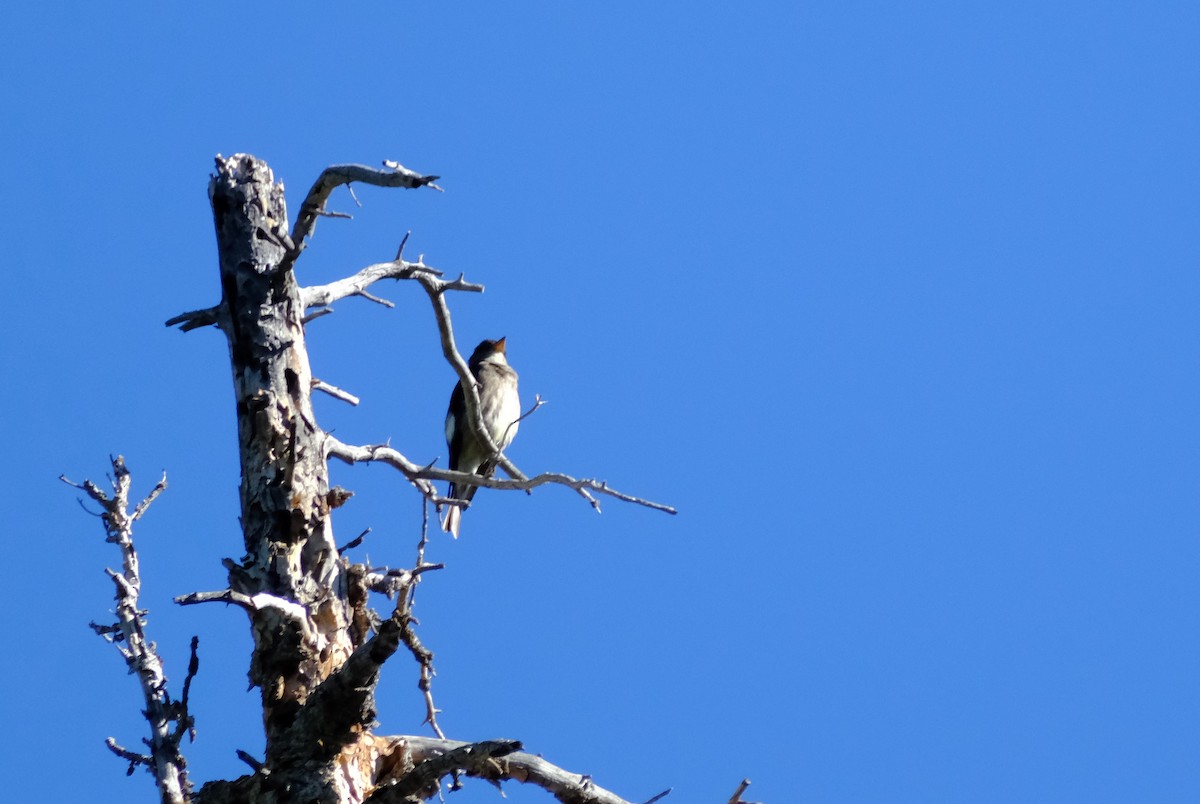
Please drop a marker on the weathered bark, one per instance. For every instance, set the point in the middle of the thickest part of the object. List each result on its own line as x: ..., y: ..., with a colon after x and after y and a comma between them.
x: 300, y: 633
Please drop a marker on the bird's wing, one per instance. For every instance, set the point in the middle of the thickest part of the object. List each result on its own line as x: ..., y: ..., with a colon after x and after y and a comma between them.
x: 455, y: 429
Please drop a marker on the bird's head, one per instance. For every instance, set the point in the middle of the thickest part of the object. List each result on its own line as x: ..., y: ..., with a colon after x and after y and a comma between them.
x: 489, y: 352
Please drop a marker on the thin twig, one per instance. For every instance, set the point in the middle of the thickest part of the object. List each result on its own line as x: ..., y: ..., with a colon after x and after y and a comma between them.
x: 186, y: 721
x: 421, y: 545
x: 424, y: 656
x: 377, y: 299
x: 334, y: 391
x: 313, y: 316
x: 537, y: 403
x: 355, y: 542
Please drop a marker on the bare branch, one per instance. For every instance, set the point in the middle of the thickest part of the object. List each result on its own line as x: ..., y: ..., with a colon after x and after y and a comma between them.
x: 135, y: 759
x: 377, y: 299
x: 158, y: 489
x: 355, y: 542
x: 194, y: 319
x: 421, y: 545
x: 349, y: 454
x: 263, y: 601
x: 224, y: 596
x: 90, y: 488
x: 313, y: 316
x: 186, y: 722
x: 398, y: 583
x: 390, y: 582
x: 521, y: 767
x: 334, y: 391
x: 393, y: 165
x: 736, y: 798
x: 469, y: 757
x: 424, y: 658
x: 420, y: 476
x: 337, y: 175
x: 537, y: 403
x: 249, y: 760
x: 321, y: 295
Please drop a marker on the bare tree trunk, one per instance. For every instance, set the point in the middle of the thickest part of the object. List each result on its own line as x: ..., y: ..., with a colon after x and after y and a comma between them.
x: 290, y: 554
x: 291, y: 567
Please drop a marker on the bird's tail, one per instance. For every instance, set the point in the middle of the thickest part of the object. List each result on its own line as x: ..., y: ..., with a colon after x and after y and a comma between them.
x: 452, y: 521
x: 454, y: 517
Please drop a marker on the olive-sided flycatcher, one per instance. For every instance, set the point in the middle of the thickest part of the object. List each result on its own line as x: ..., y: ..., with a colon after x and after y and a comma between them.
x: 500, y: 408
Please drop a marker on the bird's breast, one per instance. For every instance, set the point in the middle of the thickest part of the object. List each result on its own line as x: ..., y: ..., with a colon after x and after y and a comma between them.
x: 500, y: 402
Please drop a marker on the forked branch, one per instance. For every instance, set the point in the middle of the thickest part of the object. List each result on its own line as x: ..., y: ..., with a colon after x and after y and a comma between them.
x: 420, y: 476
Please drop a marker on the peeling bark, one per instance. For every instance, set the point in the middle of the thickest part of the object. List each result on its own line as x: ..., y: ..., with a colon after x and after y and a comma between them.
x: 290, y: 553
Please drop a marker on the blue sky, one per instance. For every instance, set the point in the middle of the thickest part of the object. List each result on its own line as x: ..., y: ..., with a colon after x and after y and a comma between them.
x: 896, y: 303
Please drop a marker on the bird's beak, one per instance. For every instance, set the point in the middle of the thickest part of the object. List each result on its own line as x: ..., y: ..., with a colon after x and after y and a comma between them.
x: 500, y: 346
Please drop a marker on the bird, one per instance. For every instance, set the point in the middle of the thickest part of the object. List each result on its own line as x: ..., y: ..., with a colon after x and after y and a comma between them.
x: 500, y: 408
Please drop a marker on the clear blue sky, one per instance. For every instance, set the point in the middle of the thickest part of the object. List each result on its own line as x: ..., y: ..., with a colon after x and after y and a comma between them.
x: 896, y: 302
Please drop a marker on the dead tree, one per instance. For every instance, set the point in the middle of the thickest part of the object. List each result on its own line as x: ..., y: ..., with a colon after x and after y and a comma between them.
x: 318, y: 644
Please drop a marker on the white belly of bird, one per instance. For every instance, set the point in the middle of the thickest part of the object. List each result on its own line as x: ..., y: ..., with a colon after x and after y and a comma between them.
x: 506, y: 420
